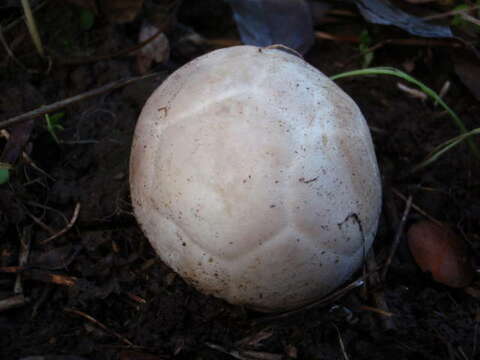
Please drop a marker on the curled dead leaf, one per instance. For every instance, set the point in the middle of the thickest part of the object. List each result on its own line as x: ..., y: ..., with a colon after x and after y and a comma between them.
x: 157, y: 50
x: 438, y: 250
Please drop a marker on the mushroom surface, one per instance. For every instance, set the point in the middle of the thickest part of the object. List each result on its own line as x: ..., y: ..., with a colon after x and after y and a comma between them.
x: 254, y: 177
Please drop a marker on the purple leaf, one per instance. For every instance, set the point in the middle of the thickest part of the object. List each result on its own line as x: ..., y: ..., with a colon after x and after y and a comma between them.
x: 268, y: 22
x: 384, y: 13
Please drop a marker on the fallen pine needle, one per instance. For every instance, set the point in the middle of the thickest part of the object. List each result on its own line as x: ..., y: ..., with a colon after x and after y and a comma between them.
x: 99, y: 324
x: 12, y: 302
x: 66, y: 228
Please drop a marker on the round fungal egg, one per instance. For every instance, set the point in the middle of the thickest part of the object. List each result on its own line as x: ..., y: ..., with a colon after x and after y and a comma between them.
x: 254, y: 177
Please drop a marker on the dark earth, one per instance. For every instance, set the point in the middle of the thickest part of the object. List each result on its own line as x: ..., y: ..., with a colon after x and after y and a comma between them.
x: 98, y: 291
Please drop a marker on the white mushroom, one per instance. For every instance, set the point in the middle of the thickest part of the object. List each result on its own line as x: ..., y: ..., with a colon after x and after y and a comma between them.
x: 254, y: 177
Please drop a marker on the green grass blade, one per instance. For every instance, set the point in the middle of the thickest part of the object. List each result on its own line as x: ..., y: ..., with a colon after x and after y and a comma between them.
x: 398, y: 73
x: 4, y: 172
x: 443, y: 148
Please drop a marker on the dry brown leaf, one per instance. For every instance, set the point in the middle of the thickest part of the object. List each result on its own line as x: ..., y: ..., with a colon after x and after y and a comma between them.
x: 438, y: 250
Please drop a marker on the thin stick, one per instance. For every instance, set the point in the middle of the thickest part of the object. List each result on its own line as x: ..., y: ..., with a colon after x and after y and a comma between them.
x: 32, y: 27
x: 99, y: 324
x: 412, y: 92
x: 136, y: 298
x: 21, y: 18
x: 41, y: 275
x: 376, y: 310
x: 416, y: 208
x: 450, y: 13
x: 471, y: 19
x: 45, y: 207
x: 66, y: 228
x: 49, y: 278
x: 9, y: 51
x: 23, y: 258
x: 39, y: 112
x: 398, y: 236
x: 245, y: 354
x: 342, y: 345
x: 40, y: 223
x: 12, y: 302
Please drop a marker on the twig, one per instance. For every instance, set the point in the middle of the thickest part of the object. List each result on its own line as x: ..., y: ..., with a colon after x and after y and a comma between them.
x: 398, y: 236
x: 49, y: 278
x: 285, y: 48
x: 342, y: 345
x: 443, y: 91
x: 416, y: 208
x: 40, y: 222
x: 23, y: 258
x: 412, y: 92
x: 32, y: 27
x: 376, y: 310
x: 66, y: 228
x: 9, y: 51
x: 245, y: 354
x: 39, y: 112
x: 46, y: 207
x: 450, y: 13
x: 99, y: 324
x: 20, y: 19
x: 470, y: 18
x: 136, y: 298
x: 344, y: 38
x: 41, y: 275
x: 12, y: 302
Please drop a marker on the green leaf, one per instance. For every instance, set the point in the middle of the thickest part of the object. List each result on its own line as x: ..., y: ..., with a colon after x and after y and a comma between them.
x: 55, y: 118
x: 444, y: 147
x: 4, y: 173
x: 87, y: 19
x: 53, y: 124
x: 458, y: 20
x: 364, y: 47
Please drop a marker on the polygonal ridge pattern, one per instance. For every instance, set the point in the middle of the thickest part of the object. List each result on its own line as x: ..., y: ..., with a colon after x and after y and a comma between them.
x: 207, y: 272
x: 196, y: 110
x: 177, y: 146
x: 284, y: 272
x: 327, y: 190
